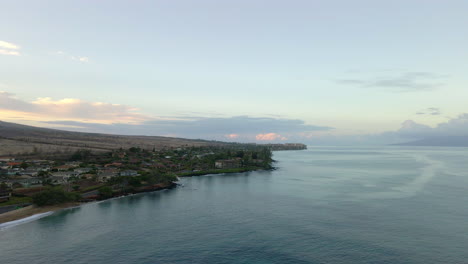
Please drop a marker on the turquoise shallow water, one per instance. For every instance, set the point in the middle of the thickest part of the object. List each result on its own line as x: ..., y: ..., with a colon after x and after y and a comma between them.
x: 323, y: 205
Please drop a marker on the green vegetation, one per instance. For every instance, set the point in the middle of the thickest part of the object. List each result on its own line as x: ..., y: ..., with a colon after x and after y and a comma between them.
x: 81, y: 155
x: 217, y: 171
x: 54, y: 195
x: 105, y: 192
x: 17, y: 200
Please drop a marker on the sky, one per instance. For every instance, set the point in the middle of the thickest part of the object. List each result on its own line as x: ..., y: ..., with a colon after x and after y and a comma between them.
x: 244, y: 70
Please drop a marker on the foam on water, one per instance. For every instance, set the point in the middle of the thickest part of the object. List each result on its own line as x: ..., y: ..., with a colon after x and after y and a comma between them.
x: 24, y: 220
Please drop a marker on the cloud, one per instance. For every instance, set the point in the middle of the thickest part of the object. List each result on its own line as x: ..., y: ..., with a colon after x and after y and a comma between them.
x: 7, y: 48
x: 79, y: 115
x: 430, y: 111
x: 455, y: 127
x: 232, y: 136
x: 82, y: 59
x: 247, y: 129
x: 8, y: 45
x: 9, y: 52
x: 409, y: 131
x: 269, y: 137
x: 72, y: 57
x: 47, y: 108
x: 403, y: 82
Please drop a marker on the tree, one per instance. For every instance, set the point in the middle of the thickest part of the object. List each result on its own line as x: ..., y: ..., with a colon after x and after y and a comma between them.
x: 81, y: 155
x: 54, y: 195
x: 105, y: 192
x: 24, y: 165
x: 4, y: 187
x: 43, y: 174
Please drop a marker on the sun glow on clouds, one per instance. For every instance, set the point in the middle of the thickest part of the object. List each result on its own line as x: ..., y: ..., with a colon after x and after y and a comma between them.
x: 269, y: 137
x: 232, y: 136
x: 110, y: 118
x: 48, y: 109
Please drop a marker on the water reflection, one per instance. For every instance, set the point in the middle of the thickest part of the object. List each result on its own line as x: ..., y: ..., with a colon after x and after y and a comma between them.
x: 59, y: 217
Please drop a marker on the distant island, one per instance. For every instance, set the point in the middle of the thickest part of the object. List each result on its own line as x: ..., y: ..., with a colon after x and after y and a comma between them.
x: 447, y: 141
x: 45, y: 179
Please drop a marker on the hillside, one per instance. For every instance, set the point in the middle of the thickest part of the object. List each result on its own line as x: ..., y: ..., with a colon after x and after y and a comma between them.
x: 23, y: 139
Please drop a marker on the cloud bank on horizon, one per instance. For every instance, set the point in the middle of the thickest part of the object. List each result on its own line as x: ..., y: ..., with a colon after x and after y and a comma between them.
x: 79, y: 115
x: 100, y: 117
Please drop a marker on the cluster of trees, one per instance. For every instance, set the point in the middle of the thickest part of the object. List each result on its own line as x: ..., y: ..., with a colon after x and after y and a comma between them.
x: 129, y: 184
x: 152, y: 177
x: 54, y: 195
x: 250, y: 156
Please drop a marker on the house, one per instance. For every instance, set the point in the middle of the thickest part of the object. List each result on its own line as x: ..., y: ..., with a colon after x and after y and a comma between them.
x: 12, y: 172
x: 5, y: 195
x: 82, y: 170
x: 158, y: 166
x: 62, y: 176
x: 14, y: 164
x: 39, y: 168
x: 105, y: 175
x: 66, y: 174
x: 129, y: 173
x: 64, y: 167
x: 74, y: 163
x: 228, y: 164
x: 33, y: 173
x: 113, y: 164
x: 24, y: 181
x: 88, y: 176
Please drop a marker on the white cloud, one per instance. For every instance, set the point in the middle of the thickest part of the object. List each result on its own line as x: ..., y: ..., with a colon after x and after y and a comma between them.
x: 403, y: 82
x: 8, y: 45
x: 81, y: 59
x: 84, y: 59
x: 72, y: 57
x: 9, y: 52
x: 7, y: 48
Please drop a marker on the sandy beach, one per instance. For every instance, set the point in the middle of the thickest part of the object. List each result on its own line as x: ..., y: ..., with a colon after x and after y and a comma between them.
x: 32, y: 210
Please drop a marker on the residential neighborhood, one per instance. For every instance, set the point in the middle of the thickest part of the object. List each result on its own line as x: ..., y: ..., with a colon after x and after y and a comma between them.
x: 122, y: 170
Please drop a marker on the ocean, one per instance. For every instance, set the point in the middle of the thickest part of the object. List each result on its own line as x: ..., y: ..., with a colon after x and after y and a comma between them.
x: 322, y: 205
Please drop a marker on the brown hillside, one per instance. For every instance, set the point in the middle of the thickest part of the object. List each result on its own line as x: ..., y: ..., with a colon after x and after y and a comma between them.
x: 21, y: 139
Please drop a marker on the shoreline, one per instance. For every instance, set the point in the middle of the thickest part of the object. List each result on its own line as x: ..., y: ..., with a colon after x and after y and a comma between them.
x: 33, y: 210
x: 226, y: 171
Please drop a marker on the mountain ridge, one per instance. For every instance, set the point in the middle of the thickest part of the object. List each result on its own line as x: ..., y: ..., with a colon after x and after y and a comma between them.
x: 21, y: 139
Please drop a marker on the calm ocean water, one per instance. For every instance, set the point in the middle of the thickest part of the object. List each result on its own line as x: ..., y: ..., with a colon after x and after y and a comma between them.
x: 324, y: 205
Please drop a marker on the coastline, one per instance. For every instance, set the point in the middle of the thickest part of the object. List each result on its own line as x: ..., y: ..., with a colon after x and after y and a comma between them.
x: 225, y: 171
x: 32, y: 210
